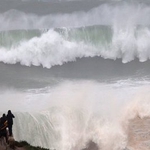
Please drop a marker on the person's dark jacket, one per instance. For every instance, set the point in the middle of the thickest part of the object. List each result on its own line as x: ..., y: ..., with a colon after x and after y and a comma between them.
x: 10, y: 117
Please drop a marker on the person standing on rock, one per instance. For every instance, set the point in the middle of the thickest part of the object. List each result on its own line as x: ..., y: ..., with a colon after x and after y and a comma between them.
x: 10, y: 117
x: 3, y: 126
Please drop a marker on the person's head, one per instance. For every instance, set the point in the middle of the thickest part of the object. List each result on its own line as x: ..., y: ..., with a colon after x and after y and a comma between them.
x: 3, y: 115
x: 9, y: 111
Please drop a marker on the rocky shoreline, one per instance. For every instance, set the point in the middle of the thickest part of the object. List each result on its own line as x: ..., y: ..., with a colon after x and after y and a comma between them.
x: 22, y: 145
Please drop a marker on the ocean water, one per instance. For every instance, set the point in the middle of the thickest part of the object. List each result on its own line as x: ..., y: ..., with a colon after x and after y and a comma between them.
x: 76, y: 74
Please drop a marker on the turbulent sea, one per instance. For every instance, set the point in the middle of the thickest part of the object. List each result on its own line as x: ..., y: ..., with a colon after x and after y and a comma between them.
x: 76, y: 74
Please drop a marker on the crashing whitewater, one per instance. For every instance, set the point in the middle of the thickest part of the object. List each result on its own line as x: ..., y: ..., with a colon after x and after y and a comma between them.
x: 73, y: 113
x: 84, y: 79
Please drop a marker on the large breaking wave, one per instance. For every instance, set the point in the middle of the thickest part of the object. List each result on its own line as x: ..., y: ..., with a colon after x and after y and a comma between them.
x: 104, y: 31
x: 56, y: 47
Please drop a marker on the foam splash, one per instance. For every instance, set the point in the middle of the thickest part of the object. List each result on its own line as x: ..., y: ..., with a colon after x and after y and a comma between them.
x: 48, y: 50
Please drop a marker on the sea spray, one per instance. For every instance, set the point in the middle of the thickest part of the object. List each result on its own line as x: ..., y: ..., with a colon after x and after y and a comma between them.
x: 81, y: 112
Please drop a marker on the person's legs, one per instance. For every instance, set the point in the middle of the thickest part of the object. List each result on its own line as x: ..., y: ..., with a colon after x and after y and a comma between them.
x: 10, y: 130
x: 4, y: 136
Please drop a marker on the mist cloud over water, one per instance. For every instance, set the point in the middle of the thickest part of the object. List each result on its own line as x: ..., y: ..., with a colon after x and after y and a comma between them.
x: 131, y: 14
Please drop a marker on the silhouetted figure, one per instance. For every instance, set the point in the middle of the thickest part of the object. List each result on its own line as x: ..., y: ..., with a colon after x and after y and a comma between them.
x: 3, y: 126
x: 10, y: 117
